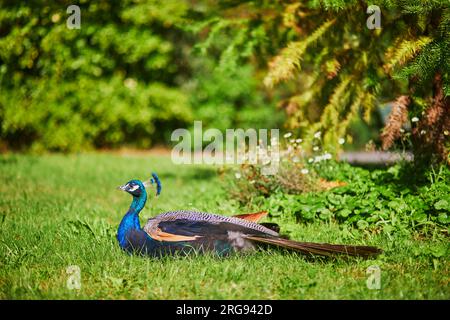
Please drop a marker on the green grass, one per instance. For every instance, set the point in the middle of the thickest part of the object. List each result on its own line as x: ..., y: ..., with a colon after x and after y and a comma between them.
x: 57, y: 211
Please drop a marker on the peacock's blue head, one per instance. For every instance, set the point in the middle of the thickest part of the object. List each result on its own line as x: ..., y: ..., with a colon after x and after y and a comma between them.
x: 136, y: 187
x: 133, y: 187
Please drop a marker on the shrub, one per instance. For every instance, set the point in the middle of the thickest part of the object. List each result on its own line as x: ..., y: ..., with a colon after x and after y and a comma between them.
x: 111, y: 82
x: 311, y: 187
x: 293, y: 175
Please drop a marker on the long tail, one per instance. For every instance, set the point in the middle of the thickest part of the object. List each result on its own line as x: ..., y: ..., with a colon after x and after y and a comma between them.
x: 323, y: 249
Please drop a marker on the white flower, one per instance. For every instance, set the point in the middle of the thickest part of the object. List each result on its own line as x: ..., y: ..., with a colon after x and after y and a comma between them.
x: 341, y: 141
x: 310, y: 160
x: 446, y: 132
x: 237, y: 175
x: 304, y: 171
x: 327, y: 156
x: 298, y: 140
x: 317, y: 134
x: 423, y: 132
x: 415, y: 119
x: 287, y: 135
x: 316, y: 148
x: 295, y: 159
x: 402, y: 130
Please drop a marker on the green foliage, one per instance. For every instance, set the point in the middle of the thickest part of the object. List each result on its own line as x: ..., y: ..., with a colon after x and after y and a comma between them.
x: 107, y: 84
x: 314, y: 186
x: 332, y: 66
x: 136, y: 70
x: 391, y: 200
x: 128, y: 76
x: 248, y: 181
x: 225, y: 98
x: 89, y: 113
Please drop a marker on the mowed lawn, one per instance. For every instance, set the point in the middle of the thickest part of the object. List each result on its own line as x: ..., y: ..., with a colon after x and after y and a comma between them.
x: 58, y: 211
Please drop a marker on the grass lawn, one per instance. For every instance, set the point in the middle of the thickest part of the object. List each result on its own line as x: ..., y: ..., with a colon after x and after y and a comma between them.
x: 57, y: 211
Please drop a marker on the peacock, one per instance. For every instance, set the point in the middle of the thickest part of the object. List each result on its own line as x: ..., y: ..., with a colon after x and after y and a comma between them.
x: 182, y: 232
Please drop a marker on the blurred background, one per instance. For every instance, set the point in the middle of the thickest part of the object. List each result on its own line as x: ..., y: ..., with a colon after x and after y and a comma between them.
x: 138, y: 69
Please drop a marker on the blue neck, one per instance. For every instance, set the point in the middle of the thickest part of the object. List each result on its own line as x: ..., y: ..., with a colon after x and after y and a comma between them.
x: 131, y: 219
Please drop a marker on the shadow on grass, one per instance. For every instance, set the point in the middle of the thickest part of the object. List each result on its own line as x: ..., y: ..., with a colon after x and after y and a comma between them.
x: 194, y: 255
x: 8, y: 159
x: 191, y: 174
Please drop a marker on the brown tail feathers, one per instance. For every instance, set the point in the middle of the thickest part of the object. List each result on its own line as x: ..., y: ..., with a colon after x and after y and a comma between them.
x: 323, y: 249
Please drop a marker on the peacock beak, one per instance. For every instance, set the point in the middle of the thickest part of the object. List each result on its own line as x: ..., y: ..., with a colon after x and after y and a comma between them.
x: 123, y: 188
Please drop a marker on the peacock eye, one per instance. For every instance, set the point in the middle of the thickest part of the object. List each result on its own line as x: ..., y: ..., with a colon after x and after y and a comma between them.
x: 134, y: 187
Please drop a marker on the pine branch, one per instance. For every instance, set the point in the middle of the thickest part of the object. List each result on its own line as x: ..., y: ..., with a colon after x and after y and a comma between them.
x: 283, y: 66
x: 397, y: 117
x: 424, y: 65
x: 403, y: 51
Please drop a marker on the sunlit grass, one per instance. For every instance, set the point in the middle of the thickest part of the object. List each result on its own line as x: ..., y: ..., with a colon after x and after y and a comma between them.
x: 57, y: 211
